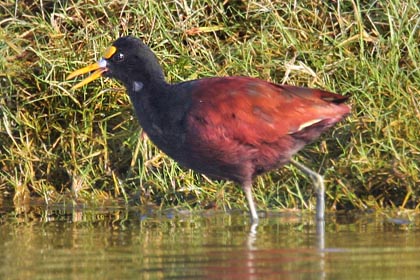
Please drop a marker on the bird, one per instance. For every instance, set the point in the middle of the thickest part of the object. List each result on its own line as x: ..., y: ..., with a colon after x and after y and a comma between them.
x: 231, y: 128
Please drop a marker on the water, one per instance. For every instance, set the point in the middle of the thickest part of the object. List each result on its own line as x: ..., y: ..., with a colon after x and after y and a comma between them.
x: 113, y: 243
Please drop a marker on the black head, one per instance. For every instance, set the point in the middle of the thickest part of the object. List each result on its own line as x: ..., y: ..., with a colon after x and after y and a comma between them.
x: 133, y: 61
x: 128, y: 60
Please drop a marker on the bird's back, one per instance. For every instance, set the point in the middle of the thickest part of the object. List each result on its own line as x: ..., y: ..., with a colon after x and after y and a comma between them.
x: 239, y: 127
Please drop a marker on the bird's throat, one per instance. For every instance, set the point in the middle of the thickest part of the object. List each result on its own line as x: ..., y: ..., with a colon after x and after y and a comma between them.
x: 137, y: 86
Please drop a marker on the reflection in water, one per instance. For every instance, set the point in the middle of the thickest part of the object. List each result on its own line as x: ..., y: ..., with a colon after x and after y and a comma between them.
x: 250, y: 264
x: 71, y: 241
x: 252, y: 248
x: 320, y: 233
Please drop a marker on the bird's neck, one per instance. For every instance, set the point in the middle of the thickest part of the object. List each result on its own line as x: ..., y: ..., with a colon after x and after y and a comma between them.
x: 147, y: 99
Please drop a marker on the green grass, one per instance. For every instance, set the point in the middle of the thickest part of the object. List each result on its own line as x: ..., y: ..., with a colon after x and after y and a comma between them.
x: 60, y: 145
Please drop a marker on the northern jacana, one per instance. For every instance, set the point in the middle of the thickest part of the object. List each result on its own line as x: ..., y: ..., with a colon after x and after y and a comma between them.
x: 232, y: 128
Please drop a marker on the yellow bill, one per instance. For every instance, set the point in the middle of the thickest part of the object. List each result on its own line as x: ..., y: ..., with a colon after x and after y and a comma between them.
x: 87, y: 69
x: 99, y: 68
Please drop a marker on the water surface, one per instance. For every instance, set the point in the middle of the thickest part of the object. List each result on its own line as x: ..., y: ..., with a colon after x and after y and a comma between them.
x: 136, y: 243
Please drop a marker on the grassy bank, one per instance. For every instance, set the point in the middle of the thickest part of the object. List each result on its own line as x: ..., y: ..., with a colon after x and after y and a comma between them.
x: 61, y: 145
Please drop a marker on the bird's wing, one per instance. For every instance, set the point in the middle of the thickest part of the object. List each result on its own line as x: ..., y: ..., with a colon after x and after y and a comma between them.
x: 253, y: 111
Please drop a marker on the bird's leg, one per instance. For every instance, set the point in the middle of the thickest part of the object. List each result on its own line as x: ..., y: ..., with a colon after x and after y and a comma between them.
x: 247, y: 187
x: 318, y: 186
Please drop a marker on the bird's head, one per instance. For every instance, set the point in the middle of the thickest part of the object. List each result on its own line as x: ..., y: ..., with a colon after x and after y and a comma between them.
x: 128, y: 60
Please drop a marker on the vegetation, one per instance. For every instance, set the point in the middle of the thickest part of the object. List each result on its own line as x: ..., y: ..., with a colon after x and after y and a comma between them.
x: 58, y: 145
